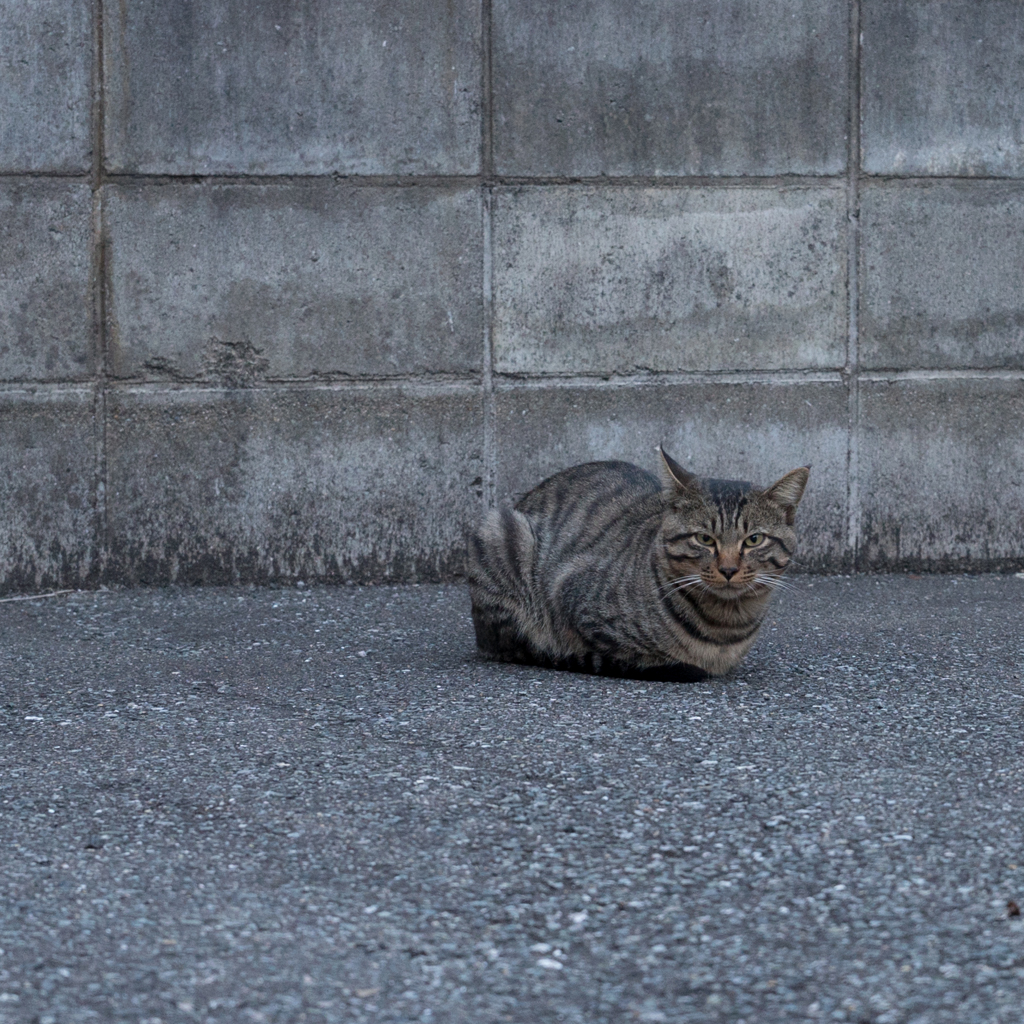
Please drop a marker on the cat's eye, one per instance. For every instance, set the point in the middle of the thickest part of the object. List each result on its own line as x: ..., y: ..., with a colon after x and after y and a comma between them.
x: 753, y: 540
x: 704, y: 538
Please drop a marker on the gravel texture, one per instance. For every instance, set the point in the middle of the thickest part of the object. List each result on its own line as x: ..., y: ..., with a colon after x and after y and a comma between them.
x: 318, y: 804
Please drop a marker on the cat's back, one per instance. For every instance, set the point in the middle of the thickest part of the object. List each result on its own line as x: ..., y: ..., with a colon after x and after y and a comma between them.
x: 586, y: 501
x: 620, y: 483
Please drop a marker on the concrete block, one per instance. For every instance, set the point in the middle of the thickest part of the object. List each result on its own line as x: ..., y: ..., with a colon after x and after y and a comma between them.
x: 943, y: 87
x: 46, y: 331
x: 314, y: 87
x: 942, y: 474
x: 46, y: 56
x: 619, y: 280
x: 751, y: 432
x: 316, y: 483
x: 240, y: 282
x: 602, y: 87
x: 942, y: 276
x: 48, y: 465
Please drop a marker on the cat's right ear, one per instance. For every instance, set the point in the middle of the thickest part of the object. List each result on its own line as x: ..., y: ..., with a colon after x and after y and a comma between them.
x: 788, y: 491
x: 674, y: 474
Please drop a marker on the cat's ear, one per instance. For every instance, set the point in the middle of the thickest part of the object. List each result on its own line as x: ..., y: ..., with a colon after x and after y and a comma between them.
x: 788, y: 491
x: 673, y: 473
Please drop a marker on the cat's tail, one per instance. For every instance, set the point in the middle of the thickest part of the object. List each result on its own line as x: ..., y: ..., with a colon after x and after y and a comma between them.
x: 500, y: 564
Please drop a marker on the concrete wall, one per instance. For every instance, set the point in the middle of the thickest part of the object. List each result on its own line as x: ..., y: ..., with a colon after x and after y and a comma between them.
x: 294, y: 289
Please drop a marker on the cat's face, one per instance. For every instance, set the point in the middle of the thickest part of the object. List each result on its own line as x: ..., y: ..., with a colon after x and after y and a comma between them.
x: 725, y: 538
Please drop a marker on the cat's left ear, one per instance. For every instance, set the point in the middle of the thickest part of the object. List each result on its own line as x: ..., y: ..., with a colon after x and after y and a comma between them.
x: 788, y: 491
x: 674, y: 474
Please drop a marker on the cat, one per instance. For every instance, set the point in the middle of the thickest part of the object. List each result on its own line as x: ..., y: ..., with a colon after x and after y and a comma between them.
x: 603, y: 568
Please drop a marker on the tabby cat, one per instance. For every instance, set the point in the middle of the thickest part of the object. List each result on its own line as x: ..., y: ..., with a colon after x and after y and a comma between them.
x: 604, y: 569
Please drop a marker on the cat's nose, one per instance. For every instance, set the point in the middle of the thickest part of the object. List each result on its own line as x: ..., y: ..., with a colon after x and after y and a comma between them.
x: 728, y: 573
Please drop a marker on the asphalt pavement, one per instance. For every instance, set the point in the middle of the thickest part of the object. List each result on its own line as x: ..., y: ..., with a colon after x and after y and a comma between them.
x: 319, y: 804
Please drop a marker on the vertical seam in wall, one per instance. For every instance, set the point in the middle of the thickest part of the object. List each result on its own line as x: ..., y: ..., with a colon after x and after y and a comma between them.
x: 99, y: 292
x: 490, y: 453
x: 486, y: 88
x: 487, y: 197
x: 852, y: 368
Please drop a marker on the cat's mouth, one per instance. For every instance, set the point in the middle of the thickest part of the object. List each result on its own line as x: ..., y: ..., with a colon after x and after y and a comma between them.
x: 734, y: 589
x: 730, y: 589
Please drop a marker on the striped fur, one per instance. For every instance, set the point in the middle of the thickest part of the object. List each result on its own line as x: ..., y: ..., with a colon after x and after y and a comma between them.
x: 602, y: 568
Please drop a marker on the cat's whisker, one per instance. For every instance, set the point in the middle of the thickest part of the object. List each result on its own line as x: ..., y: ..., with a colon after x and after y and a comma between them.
x: 680, y: 583
x: 686, y: 582
x: 679, y: 580
x: 776, y: 584
x: 686, y: 585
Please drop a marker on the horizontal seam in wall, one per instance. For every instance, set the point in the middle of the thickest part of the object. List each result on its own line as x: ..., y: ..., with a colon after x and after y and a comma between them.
x: 513, y: 181
x: 516, y: 383
x: 83, y: 176
x: 923, y: 375
x: 454, y: 181
x: 31, y: 389
x: 320, y: 380
x: 412, y: 384
x: 675, y: 181
x: 471, y: 181
x: 933, y: 179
